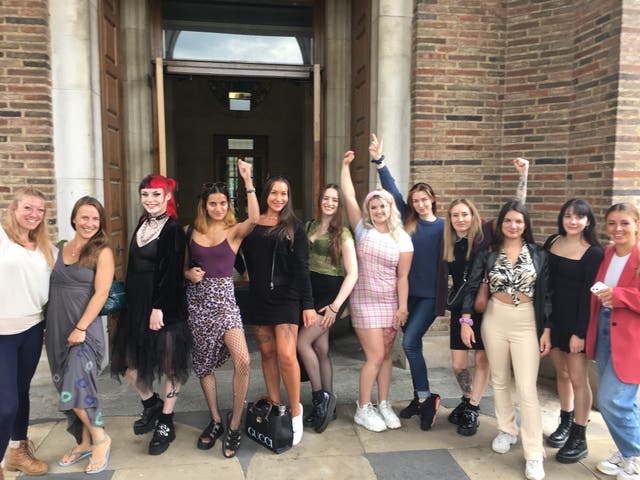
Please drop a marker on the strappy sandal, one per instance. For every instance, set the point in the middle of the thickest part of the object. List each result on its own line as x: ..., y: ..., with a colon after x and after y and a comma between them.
x: 104, y: 460
x: 213, y: 432
x: 75, y: 456
x: 231, y: 439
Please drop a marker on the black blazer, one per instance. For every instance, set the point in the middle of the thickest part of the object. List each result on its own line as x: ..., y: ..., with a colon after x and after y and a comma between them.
x: 485, y: 260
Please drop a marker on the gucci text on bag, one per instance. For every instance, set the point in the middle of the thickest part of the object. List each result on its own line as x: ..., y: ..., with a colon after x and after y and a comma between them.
x: 260, y: 437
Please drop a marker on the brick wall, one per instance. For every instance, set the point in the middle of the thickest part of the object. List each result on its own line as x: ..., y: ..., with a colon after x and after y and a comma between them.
x: 26, y: 130
x: 500, y: 79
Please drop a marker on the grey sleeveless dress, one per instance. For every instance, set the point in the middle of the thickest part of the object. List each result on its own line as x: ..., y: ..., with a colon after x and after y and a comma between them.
x: 74, y: 370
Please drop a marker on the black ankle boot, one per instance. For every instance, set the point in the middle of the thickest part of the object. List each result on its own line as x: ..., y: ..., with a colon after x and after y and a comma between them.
x: 152, y: 408
x: 311, y: 420
x: 164, y: 434
x: 469, y: 420
x: 575, y: 449
x: 455, y: 416
x: 558, y: 438
x: 414, y: 408
x: 324, y: 410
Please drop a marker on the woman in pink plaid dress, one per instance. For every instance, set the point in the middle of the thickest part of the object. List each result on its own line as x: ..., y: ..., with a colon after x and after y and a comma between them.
x: 379, y: 300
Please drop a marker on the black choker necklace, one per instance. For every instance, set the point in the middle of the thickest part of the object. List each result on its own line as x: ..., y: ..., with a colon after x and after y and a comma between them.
x: 158, y: 218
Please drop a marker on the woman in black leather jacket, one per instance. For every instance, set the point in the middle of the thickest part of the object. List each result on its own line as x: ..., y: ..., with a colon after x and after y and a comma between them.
x: 515, y: 328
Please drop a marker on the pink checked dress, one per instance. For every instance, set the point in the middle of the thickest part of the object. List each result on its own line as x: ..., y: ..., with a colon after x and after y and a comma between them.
x: 374, y: 300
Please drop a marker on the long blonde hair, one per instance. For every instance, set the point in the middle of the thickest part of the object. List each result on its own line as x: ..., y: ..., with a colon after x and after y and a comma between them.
x: 39, y: 234
x: 632, y: 211
x: 394, y: 223
x: 474, y: 235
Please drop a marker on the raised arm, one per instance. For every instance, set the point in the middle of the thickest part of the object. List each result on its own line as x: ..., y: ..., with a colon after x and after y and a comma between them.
x: 241, y: 230
x: 351, y: 276
x: 386, y: 179
x: 522, y: 165
x: 353, y: 209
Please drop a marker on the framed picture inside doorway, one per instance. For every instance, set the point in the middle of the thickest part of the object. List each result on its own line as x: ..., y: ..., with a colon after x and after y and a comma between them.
x: 227, y: 149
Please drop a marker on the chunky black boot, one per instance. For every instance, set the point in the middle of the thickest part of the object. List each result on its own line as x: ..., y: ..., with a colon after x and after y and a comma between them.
x: 152, y: 408
x: 575, y: 449
x: 325, y: 410
x: 469, y: 421
x: 560, y: 436
x: 428, y: 410
x: 164, y: 434
x: 456, y: 415
x: 414, y: 408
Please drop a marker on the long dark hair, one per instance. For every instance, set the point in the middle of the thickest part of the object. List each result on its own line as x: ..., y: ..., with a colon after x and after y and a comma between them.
x: 515, y: 206
x: 411, y: 219
x: 287, y: 221
x: 582, y: 209
x: 89, y: 253
x: 168, y: 185
x: 335, y: 225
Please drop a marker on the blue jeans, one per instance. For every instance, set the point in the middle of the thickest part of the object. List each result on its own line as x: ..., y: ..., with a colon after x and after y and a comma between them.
x: 19, y: 356
x: 616, y: 399
x: 421, y: 316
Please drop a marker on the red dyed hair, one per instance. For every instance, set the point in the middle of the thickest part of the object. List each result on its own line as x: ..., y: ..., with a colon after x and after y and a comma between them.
x: 168, y: 185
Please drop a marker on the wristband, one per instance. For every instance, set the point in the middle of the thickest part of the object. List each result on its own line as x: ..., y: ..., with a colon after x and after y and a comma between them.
x: 332, y: 309
x: 379, y: 161
x: 468, y: 321
x: 251, y: 190
x: 80, y: 330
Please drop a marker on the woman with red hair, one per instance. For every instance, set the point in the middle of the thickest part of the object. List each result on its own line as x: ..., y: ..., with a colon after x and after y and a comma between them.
x: 152, y: 336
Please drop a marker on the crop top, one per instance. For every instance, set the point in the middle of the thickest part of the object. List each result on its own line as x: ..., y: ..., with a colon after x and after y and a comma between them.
x: 505, y: 278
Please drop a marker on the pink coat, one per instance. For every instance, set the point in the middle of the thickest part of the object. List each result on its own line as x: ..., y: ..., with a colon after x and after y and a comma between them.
x: 625, y: 319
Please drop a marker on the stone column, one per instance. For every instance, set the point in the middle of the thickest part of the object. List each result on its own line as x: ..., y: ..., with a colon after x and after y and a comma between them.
x: 391, y: 84
x: 137, y: 110
x: 75, y: 79
x: 338, y: 77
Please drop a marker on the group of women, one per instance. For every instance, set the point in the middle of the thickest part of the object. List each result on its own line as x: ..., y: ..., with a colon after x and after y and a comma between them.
x: 569, y: 297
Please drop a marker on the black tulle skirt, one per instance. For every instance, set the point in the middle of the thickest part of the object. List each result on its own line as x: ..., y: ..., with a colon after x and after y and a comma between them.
x: 152, y: 353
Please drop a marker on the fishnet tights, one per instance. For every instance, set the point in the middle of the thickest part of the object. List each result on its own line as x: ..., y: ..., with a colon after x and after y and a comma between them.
x: 237, y: 345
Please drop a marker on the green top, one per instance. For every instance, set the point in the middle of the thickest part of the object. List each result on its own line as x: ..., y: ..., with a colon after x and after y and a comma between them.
x: 319, y: 254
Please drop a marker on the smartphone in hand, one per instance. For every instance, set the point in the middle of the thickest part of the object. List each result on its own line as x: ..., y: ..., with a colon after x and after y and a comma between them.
x: 596, y: 287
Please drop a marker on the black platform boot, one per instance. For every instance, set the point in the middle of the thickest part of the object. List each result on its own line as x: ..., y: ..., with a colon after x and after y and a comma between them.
x: 164, y: 434
x: 560, y: 436
x: 311, y: 420
x: 325, y: 410
x: 575, y: 449
x: 152, y: 408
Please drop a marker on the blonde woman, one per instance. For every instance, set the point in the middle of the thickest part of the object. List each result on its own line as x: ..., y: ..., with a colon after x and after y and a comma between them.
x: 26, y: 260
x: 379, y: 300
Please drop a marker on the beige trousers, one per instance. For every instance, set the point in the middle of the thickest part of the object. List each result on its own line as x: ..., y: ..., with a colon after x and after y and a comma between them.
x: 510, y: 340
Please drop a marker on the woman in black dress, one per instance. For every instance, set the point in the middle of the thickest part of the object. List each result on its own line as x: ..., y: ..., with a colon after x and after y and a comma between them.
x: 277, y: 258
x: 574, y: 259
x: 152, y: 337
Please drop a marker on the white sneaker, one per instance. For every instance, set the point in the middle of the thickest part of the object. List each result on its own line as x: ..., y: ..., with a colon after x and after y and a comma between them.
x: 502, y: 443
x: 534, y: 470
x: 631, y: 470
x: 297, y: 426
x: 612, y: 465
x: 369, y: 418
x: 390, y: 418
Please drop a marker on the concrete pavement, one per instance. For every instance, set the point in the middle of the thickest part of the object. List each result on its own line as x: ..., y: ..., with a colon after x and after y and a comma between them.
x: 343, y: 451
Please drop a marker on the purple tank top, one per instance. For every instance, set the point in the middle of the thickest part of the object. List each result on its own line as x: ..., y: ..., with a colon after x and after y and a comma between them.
x: 216, y: 261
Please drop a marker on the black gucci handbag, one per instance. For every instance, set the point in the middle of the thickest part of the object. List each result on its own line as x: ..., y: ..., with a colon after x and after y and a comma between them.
x: 269, y: 425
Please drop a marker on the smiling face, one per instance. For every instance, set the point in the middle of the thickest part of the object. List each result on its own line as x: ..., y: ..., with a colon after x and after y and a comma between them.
x: 422, y: 203
x: 86, y: 221
x: 29, y: 212
x: 154, y: 200
x: 513, y: 225
x: 278, y: 197
x: 461, y: 218
x: 622, y: 228
x: 379, y: 211
x: 330, y: 202
x: 573, y: 223
x: 217, y: 206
